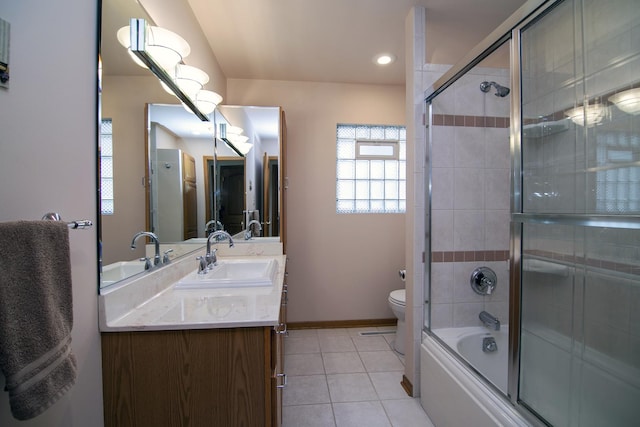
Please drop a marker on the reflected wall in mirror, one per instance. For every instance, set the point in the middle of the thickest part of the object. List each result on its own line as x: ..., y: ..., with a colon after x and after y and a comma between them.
x: 129, y: 97
x: 262, y: 126
x: 191, y: 185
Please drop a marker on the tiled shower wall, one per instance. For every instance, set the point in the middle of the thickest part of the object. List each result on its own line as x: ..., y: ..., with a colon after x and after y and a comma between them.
x: 470, y: 199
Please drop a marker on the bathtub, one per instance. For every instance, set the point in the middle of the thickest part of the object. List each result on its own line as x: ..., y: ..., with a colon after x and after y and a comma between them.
x: 452, y: 394
x: 468, y: 343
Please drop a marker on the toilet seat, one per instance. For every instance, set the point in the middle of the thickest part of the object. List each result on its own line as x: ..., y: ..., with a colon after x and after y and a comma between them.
x: 398, y: 296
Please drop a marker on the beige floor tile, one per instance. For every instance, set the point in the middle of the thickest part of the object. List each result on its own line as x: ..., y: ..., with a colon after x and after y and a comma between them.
x: 387, y: 385
x: 406, y: 413
x: 341, y: 363
x: 302, y: 390
x: 370, y: 343
x: 360, y: 414
x: 304, y: 364
x: 350, y: 388
x: 381, y: 361
x: 339, y: 378
x: 301, y: 345
x: 336, y: 343
x: 308, y: 416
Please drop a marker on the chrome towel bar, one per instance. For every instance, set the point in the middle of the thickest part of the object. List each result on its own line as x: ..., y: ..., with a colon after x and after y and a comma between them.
x: 74, y: 225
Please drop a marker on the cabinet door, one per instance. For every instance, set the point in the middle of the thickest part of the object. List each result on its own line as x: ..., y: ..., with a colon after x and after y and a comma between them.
x: 185, y: 378
x: 279, y: 379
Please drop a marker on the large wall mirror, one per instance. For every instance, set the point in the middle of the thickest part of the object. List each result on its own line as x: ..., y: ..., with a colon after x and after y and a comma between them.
x: 172, y: 174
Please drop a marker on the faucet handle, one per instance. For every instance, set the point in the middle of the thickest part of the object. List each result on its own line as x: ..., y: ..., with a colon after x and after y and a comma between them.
x: 147, y: 263
x: 202, y: 265
x: 165, y: 258
x: 211, y: 258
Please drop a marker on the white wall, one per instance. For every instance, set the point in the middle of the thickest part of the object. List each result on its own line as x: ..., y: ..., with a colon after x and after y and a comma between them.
x: 48, y: 121
x: 341, y: 267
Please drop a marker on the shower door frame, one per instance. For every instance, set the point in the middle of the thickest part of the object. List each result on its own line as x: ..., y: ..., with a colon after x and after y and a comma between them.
x: 509, y: 30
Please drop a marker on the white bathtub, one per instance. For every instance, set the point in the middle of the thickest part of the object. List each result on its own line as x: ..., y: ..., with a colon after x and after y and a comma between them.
x: 454, y: 395
x: 468, y: 343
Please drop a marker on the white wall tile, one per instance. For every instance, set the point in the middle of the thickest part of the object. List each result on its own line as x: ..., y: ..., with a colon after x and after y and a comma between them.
x: 468, y: 232
x: 469, y: 185
x: 442, y: 193
x: 466, y: 314
x: 442, y: 230
x: 441, y: 316
x: 497, y: 189
x: 469, y: 147
x: 442, y: 146
x: 442, y: 282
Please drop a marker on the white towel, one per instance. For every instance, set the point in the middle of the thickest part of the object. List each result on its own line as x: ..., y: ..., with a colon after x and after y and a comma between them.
x: 36, y: 315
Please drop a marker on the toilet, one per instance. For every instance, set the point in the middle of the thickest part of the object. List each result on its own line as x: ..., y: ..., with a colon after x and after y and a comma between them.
x: 397, y: 302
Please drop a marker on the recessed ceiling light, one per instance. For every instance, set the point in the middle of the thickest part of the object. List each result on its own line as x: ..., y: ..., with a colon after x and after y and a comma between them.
x: 384, y: 59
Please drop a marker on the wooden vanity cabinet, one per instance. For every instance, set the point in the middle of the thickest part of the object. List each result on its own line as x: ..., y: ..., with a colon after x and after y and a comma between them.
x: 195, y: 377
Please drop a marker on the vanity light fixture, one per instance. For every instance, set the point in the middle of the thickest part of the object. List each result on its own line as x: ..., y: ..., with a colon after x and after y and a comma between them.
x: 589, y: 115
x: 166, y: 47
x: 207, y: 100
x: 243, y: 147
x: 384, y: 59
x: 234, y: 130
x: 627, y: 101
x: 189, y: 79
x: 237, y: 138
x: 144, y: 41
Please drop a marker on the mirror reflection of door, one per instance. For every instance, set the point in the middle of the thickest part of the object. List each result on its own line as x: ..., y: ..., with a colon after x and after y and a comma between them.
x: 190, y: 198
x: 174, y: 201
x: 229, y: 192
x: 271, y: 219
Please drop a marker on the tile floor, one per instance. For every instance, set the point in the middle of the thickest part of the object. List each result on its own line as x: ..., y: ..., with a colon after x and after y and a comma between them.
x: 339, y: 378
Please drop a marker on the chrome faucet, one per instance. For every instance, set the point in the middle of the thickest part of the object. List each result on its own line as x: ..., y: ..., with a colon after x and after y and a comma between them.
x: 156, y: 241
x: 217, y: 225
x: 489, y: 320
x: 247, y: 232
x: 210, y: 258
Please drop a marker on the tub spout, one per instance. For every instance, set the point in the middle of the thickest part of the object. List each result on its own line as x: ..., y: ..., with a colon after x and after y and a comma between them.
x: 489, y: 320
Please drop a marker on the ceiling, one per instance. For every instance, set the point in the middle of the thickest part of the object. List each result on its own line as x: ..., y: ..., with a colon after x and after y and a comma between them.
x: 318, y: 40
x: 336, y: 40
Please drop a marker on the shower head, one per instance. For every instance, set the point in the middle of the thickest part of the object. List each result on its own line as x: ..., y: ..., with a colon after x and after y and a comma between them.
x: 501, y: 91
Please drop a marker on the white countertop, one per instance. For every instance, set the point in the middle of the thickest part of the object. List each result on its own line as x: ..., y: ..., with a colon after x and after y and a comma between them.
x: 151, y: 301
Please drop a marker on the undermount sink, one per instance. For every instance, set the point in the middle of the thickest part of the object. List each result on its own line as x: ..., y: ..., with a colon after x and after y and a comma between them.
x: 120, y: 270
x: 230, y: 273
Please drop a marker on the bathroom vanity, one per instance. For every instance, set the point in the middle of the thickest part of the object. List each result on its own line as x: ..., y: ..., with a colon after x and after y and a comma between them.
x: 194, y: 357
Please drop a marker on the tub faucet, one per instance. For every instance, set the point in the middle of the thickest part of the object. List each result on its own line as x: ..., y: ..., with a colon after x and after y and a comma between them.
x: 489, y: 320
x: 156, y: 242
x: 210, y: 257
x: 247, y: 232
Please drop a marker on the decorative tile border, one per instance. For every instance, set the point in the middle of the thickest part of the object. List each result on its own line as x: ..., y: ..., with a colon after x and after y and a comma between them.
x: 468, y: 256
x: 470, y: 121
x: 473, y: 256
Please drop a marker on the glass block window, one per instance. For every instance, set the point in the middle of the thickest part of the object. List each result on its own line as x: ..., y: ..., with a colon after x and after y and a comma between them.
x: 617, y: 171
x: 371, y: 169
x: 106, y: 167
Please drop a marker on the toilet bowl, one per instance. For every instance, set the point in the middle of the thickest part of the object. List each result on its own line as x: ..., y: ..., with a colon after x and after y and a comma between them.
x: 397, y: 303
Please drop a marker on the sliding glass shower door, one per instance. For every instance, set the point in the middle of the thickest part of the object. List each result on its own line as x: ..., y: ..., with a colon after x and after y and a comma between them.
x: 578, y: 215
